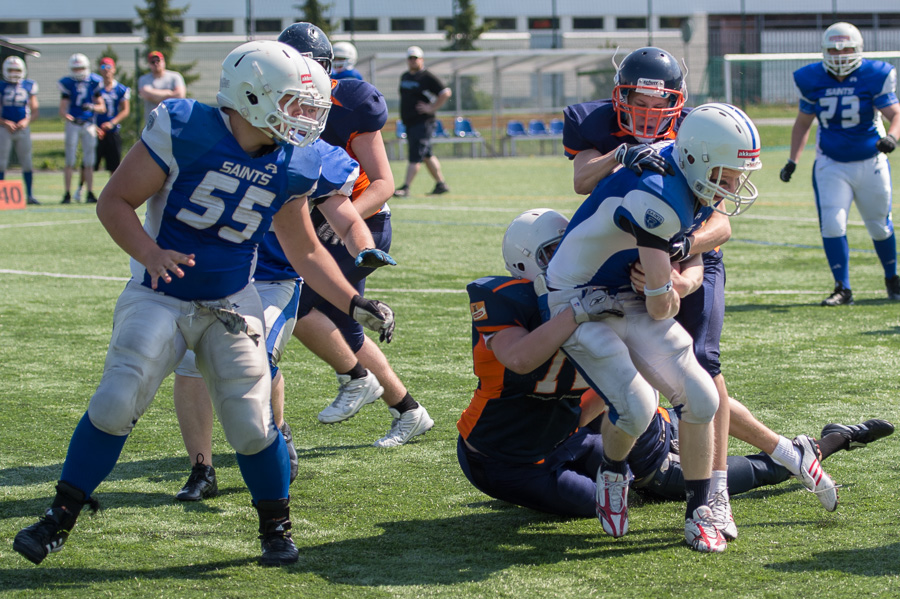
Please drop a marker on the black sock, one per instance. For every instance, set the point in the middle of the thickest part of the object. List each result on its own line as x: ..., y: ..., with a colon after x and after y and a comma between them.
x: 697, y: 492
x: 615, y: 466
x: 832, y: 443
x: 357, y: 372
x: 406, y: 404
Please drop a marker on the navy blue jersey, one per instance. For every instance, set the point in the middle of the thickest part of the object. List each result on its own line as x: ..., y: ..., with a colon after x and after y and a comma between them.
x: 79, y: 93
x: 15, y: 97
x: 339, y: 172
x: 596, y: 250
x: 519, y: 418
x: 849, y: 121
x: 113, y: 98
x: 217, y: 201
x: 347, y: 74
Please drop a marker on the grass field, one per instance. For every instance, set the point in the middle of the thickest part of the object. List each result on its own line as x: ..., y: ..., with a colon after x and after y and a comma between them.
x: 404, y: 522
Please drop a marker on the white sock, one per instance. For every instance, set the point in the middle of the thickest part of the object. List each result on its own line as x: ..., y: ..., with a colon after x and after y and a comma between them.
x: 787, y: 455
x: 718, y: 482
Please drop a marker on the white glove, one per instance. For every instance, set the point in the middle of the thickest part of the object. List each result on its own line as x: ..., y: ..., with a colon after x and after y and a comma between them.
x: 594, y: 304
x: 374, y: 315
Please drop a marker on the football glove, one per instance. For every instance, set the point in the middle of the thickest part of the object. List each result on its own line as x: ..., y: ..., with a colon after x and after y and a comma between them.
x: 372, y: 258
x: 374, y: 315
x: 327, y: 235
x: 595, y: 304
x: 886, y: 144
x: 788, y: 170
x: 638, y: 157
x: 680, y: 249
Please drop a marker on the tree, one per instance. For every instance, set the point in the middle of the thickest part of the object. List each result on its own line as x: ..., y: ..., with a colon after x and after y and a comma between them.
x: 314, y: 12
x: 463, y: 33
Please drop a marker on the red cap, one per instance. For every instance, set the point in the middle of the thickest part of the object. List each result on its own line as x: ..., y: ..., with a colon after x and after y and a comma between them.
x: 156, y: 54
x: 107, y: 61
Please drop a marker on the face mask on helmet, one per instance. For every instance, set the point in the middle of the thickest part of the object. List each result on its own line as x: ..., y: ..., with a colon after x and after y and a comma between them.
x: 309, y: 41
x: 14, y: 69
x: 530, y: 241
x: 717, y: 149
x: 842, y: 47
x: 344, y: 56
x: 286, y: 95
x: 79, y: 67
x: 649, y: 93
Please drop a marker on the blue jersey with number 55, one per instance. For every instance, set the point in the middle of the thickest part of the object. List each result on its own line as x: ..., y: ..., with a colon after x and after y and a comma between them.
x: 217, y: 202
x: 849, y: 121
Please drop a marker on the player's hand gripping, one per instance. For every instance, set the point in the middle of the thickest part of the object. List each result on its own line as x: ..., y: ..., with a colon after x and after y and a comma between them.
x: 787, y: 171
x: 638, y: 157
x: 162, y: 262
x: 374, y: 315
x: 886, y: 144
x: 680, y: 249
x: 374, y: 258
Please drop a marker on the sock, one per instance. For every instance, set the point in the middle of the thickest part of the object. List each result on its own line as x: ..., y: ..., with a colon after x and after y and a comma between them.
x: 615, y: 466
x: 787, y: 455
x: 718, y: 482
x: 406, y: 404
x: 91, y: 457
x: 357, y: 372
x: 268, y: 472
x: 887, y: 253
x: 837, y: 252
x: 833, y: 443
x: 27, y: 178
x: 697, y: 492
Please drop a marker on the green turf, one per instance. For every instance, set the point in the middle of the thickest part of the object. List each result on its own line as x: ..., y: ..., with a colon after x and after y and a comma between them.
x: 404, y: 522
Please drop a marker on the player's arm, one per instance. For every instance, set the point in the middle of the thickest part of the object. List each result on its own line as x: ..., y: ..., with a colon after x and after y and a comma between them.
x: 98, y: 105
x: 663, y: 300
x: 136, y: 180
x: 340, y: 213
x: 64, y: 108
x: 687, y: 276
x: 800, y: 134
x: 372, y: 157
x: 522, y: 352
x: 33, y: 111
x: 590, y: 168
x: 715, y: 232
x: 124, y: 111
x: 888, y: 143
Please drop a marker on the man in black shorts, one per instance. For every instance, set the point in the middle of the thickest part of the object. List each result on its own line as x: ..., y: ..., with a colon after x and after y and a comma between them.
x: 421, y: 95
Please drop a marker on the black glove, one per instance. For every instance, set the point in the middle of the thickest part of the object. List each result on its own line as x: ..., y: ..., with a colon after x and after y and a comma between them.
x: 788, y: 170
x: 374, y: 315
x: 886, y: 144
x: 680, y: 249
x: 327, y: 235
x: 638, y: 157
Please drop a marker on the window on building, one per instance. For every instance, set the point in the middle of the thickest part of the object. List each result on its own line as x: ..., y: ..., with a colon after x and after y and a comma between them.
x: 542, y: 23
x: 61, y: 27
x: 13, y: 27
x: 671, y: 22
x: 113, y: 27
x: 177, y: 26
x: 587, y: 23
x: 215, y: 26
x: 407, y: 24
x: 631, y: 22
x: 361, y: 25
x: 444, y: 22
x: 267, y: 25
x: 502, y: 23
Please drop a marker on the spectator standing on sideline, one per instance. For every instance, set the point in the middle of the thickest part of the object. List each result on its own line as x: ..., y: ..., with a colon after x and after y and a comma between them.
x: 159, y: 84
x: 79, y: 104
x: 117, y: 98
x: 18, y: 106
x: 421, y: 96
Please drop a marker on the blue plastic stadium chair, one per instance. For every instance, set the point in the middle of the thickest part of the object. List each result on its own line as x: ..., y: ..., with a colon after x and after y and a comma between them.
x: 537, y: 127
x: 439, y: 130
x: 401, y: 130
x: 515, y: 128
x: 463, y: 128
x: 556, y: 127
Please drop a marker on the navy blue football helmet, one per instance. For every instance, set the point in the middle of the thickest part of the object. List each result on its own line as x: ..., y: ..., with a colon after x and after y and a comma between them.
x: 309, y: 41
x: 652, y: 72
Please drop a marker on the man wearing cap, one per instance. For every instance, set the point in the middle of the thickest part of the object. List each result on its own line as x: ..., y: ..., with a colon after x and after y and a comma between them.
x: 159, y: 84
x: 421, y: 95
x: 117, y: 98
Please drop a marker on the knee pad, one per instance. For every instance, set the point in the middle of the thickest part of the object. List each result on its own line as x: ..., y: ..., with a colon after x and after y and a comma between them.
x: 113, y: 408
x: 702, y: 399
x: 641, y: 402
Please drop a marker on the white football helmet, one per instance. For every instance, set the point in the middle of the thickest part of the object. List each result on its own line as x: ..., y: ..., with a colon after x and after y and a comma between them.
x: 271, y: 85
x: 79, y: 66
x: 13, y: 69
x: 841, y: 36
x: 530, y: 241
x: 344, y: 56
x: 714, y: 137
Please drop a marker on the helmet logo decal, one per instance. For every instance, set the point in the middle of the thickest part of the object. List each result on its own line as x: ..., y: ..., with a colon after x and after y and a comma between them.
x: 651, y: 87
x: 653, y: 219
x: 306, y: 78
x: 748, y: 153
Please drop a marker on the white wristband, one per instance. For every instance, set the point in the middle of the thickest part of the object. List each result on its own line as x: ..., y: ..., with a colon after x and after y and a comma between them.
x: 659, y: 291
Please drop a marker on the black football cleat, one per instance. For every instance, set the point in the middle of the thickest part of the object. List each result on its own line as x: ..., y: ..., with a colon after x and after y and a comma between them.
x: 278, y: 548
x: 45, y: 536
x: 841, y: 296
x: 860, y: 435
x: 893, y: 288
x: 200, y: 484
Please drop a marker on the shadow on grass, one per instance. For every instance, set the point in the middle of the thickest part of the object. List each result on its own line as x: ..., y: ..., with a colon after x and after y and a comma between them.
x: 871, y: 561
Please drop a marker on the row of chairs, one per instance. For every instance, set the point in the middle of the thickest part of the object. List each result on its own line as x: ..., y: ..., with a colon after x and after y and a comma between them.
x: 536, y: 127
x: 462, y: 127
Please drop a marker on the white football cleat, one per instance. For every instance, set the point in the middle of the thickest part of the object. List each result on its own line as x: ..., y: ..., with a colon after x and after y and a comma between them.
x: 352, y: 395
x: 720, y: 504
x: 811, y: 473
x: 405, y: 426
x: 612, y: 502
x: 701, y: 534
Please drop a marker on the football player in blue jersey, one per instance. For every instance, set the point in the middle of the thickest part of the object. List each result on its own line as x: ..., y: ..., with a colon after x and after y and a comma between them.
x: 217, y: 179
x: 80, y: 102
x: 18, y: 107
x: 364, y: 373
x: 849, y: 94
x: 629, y: 218
x: 344, y: 66
x: 117, y: 99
